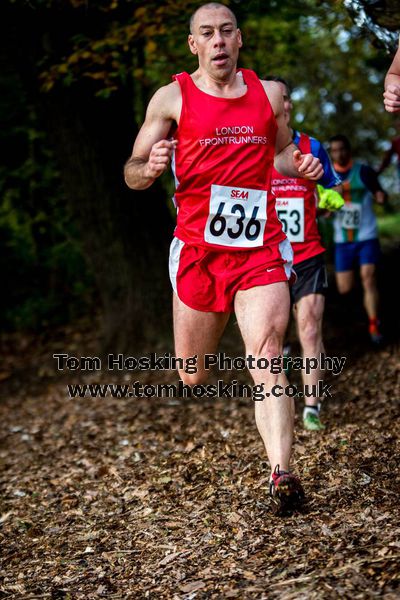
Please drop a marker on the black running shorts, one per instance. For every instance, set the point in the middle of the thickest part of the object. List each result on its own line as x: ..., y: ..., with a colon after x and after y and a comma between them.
x: 312, y: 278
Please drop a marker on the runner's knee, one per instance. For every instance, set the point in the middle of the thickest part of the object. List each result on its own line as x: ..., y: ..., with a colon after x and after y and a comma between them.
x: 344, y: 287
x: 368, y: 280
x: 310, y: 333
x: 193, y: 378
x: 268, y: 348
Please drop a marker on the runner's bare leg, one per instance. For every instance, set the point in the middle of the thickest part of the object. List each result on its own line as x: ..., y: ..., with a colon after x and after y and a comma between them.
x: 309, y: 312
x: 262, y: 314
x: 196, y: 332
x: 370, y: 287
x: 344, y: 281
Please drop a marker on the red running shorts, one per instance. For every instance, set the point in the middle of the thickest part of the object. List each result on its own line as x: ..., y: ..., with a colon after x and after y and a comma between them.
x: 208, y: 281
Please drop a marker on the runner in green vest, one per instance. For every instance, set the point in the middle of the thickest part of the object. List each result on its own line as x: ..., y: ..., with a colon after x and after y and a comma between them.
x: 356, y: 230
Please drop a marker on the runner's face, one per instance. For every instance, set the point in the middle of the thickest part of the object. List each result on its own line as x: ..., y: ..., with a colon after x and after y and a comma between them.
x: 339, y: 153
x: 216, y: 40
x: 287, y: 103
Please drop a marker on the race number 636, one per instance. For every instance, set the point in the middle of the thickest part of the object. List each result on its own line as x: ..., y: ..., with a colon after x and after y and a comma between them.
x: 237, y: 217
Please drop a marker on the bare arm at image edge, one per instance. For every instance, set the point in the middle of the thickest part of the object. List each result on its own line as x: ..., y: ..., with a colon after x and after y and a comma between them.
x: 391, y: 96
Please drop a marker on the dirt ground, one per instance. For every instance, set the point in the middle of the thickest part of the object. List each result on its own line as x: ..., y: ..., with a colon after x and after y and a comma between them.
x: 158, y: 498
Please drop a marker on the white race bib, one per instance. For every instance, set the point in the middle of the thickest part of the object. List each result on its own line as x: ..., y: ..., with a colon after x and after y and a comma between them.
x: 290, y: 212
x: 350, y: 215
x: 237, y: 217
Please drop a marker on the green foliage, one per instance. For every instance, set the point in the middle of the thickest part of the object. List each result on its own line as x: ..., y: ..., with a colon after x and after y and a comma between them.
x: 389, y: 227
x: 140, y: 44
x: 389, y: 215
x: 40, y: 260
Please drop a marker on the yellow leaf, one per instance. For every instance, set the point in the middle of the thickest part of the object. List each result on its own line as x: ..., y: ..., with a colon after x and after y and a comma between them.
x: 140, y: 12
x: 151, y: 46
x: 47, y: 86
x: 74, y: 58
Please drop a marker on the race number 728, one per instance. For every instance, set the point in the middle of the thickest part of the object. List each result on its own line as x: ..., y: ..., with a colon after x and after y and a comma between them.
x: 350, y: 215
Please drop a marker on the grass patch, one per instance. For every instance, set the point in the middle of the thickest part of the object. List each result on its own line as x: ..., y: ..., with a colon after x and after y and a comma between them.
x: 389, y: 227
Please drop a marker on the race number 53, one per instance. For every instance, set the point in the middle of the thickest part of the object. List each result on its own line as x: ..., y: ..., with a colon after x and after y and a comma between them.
x: 290, y: 212
x: 237, y: 217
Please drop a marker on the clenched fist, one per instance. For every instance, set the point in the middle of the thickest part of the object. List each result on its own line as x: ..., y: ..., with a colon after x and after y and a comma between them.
x: 308, y: 166
x: 391, y: 98
x: 160, y: 157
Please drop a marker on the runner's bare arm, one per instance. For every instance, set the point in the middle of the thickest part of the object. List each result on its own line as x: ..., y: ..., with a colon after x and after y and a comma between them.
x: 152, y: 150
x: 391, y: 96
x: 381, y: 196
x: 338, y: 188
x: 288, y: 158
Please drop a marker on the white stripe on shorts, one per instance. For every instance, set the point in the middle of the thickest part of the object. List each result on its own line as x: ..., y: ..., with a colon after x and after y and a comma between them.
x: 175, y: 250
x: 286, y: 252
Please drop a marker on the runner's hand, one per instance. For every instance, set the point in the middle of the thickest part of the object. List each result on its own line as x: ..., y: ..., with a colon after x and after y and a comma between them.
x: 160, y: 157
x: 381, y: 196
x: 308, y: 166
x: 329, y: 199
x: 391, y: 98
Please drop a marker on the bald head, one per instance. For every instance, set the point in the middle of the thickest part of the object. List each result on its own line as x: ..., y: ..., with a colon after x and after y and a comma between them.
x: 210, y: 6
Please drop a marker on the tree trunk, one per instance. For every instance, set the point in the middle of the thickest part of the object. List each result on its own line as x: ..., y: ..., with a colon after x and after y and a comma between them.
x: 125, y: 234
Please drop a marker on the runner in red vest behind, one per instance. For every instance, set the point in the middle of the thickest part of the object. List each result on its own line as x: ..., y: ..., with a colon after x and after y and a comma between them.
x: 296, y: 205
x: 223, y: 128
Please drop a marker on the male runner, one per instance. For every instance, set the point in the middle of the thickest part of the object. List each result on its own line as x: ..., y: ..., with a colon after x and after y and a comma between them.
x: 391, y: 95
x: 222, y: 128
x: 356, y: 230
x: 296, y: 205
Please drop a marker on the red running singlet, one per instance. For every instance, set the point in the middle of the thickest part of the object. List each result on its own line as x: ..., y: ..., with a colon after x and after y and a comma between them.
x: 222, y: 166
x: 296, y: 206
